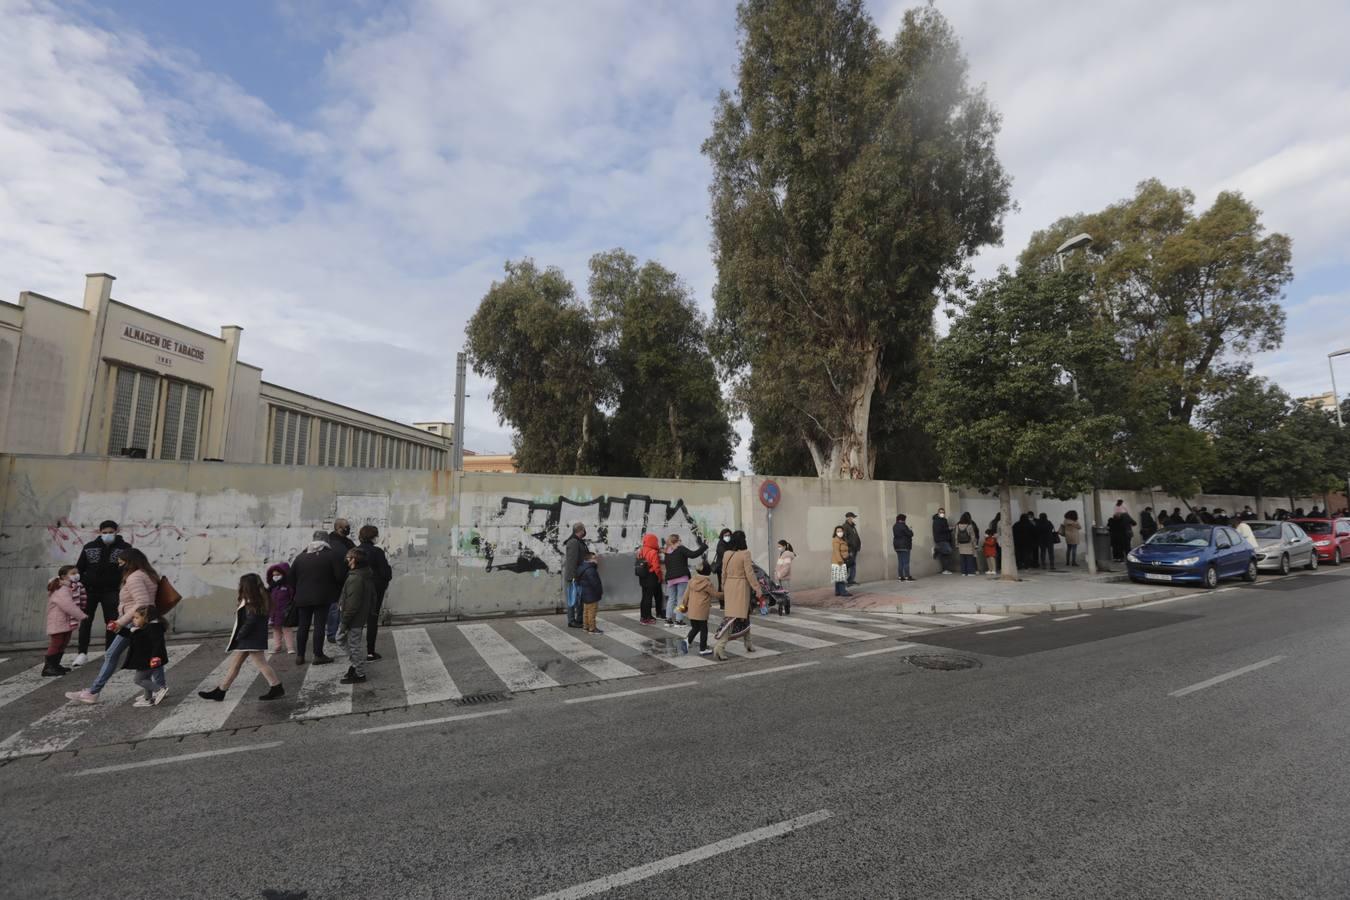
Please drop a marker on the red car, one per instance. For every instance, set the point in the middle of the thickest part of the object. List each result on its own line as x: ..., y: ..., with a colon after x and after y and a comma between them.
x: 1331, y: 537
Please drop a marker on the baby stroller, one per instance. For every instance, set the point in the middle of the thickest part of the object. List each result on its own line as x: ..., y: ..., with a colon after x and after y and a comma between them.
x: 774, y: 595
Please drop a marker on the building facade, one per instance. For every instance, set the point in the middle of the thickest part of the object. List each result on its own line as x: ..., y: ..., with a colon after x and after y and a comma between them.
x: 109, y: 379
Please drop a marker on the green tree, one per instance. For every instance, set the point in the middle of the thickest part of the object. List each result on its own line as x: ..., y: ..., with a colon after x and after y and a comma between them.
x: 1253, y: 450
x: 1001, y: 406
x: 538, y: 342
x: 853, y: 178
x: 1188, y: 294
x: 671, y: 420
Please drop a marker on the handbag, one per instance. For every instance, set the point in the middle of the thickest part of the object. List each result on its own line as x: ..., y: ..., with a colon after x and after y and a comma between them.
x: 166, y: 596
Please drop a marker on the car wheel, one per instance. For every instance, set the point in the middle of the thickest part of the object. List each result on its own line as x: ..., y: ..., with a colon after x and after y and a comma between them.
x: 1250, y: 574
x: 1336, y: 557
x: 1284, y: 564
x: 1211, y: 578
x: 1312, y: 561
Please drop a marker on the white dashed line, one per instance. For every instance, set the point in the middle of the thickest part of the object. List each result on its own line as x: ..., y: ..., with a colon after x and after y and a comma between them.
x: 1001, y: 630
x: 441, y: 721
x: 165, y: 760
x: 615, y: 694
x: 1070, y: 618
x: 882, y: 650
x: 1219, y: 679
x: 771, y: 670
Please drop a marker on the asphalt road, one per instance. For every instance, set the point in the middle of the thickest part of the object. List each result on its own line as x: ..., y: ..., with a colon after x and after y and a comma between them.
x: 1084, y: 756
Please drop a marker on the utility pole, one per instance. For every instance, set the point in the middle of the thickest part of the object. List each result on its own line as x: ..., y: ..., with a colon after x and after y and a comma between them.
x: 461, y: 374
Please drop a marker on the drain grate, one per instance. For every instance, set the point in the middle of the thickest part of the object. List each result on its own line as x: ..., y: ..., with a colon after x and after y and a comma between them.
x: 943, y: 663
x: 483, y: 697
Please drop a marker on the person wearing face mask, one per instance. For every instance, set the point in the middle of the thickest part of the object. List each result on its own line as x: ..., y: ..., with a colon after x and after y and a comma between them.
x: 281, y: 615
x: 942, y: 541
x: 102, y: 580
x: 839, y: 562
x: 723, y: 545
x: 341, y: 541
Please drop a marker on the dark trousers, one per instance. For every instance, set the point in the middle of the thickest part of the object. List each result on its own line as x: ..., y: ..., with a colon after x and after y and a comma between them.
x: 853, y: 568
x: 651, y: 596
x: 572, y: 601
x: 373, y: 623
x: 108, y: 601
x: 318, y: 617
x: 1047, y: 556
x: 698, y: 628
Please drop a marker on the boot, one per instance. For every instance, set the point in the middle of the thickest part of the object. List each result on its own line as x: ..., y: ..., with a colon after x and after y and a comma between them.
x: 719, y: 649
x: 52, y: 667
x: 273, y: 692
x: 748, y: 648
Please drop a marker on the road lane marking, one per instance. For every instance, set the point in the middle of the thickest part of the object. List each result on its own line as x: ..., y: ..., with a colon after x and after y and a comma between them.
x: 882, y: 650
x: 646, y: 645
x: 836, y: 630
x: 598, y: 663
x: 1071, y: 618
x: 194, y: 714
x: 707, y: 851
x: 440, y: 721
x: 771, y: 670
x: 646, y: 690
x: 165, y: 760
x: 1001, y: 630
x: 322, y: 693
x: 1219, y: 679
x: 425, y: 678
x: 29, y: 680
x: 978, y: 617
x: 788, y: 637
x: 736, y: 648
x: 512, y: 667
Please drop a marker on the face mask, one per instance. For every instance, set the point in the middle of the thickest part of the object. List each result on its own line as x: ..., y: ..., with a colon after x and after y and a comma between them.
x: 107, y: 538
x: 839, y: 534
x: 74, y: 577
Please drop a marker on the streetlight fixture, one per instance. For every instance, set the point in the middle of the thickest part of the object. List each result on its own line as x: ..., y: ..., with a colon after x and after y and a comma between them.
x: 1077, y: 242
x: 1073, y: 243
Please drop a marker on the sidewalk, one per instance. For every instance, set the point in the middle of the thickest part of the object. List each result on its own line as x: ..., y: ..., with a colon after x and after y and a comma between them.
x: 1037, y: 592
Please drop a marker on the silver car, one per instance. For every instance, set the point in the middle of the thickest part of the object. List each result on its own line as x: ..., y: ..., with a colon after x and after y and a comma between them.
x: 1280, y: 546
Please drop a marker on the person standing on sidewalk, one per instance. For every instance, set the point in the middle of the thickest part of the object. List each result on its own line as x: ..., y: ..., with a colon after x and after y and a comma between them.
x: 1147, y: 525
x: 902, y: 539
x: 102, y: 580
x: 942, y: 541
x: 839, y: 562
x: 384, y: 576
x: 854, y: 546
x: 739, y: 582
x: 782, y: 568
x: 358, y: 599
x: 967, y: 541
x: 315, y: 577
x: 139, y: 583
x: 575, y: 549
x: 648, y: 570
x: 1072, y: 531
x: 590, y: 591
x: 1046, y: 538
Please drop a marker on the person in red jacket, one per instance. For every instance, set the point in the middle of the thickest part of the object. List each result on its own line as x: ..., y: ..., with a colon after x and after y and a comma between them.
x: 649, y: 561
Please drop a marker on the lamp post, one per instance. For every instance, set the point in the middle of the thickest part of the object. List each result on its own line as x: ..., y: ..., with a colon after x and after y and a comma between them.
x: 1336, y: 402
x: 1081, y: 241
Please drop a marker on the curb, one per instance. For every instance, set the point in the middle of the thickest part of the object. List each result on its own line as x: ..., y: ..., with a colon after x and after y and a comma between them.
x: 1012, y: 609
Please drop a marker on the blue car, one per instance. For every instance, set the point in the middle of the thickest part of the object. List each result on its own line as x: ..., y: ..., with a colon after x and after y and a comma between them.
x: 1192, y: 554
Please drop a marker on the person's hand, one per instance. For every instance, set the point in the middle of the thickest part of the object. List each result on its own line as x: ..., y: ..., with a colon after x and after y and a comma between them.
x: 112, y: 626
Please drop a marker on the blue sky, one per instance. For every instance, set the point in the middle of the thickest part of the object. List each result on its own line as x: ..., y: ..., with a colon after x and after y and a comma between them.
x: 345, y: 180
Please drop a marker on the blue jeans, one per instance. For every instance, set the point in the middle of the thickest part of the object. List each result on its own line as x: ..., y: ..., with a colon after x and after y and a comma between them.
x: 674, y: 596
x: 334, y: 619
x: 904, y: 562
x: 852, y: 569
x: 1070, y: 554
x: 572, y: 596
x: 150, y: 680
x: 967, y: 564
x: 111, y: 661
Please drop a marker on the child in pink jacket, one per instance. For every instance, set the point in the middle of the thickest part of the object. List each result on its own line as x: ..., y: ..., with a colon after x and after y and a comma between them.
x: 63, y: 616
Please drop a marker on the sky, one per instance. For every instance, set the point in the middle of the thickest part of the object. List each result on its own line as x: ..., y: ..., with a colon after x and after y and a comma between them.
x: 345, y: 178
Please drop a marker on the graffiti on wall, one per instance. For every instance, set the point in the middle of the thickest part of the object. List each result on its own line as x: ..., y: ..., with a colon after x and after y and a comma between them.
x: 521, y: 535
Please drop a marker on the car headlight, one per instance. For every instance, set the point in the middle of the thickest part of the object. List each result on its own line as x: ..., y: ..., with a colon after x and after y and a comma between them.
x: 1260, y: 556
x: 1133, y: 557
x: 1322, y: 543
x: 1188, y: 561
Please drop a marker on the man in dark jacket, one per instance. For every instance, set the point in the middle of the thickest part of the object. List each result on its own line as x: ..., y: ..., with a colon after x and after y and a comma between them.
x: 102, y: 579
x: 854, y: 541
x: 340, y: 540
x: 942, y: 542
x: 358, y: 600
x: 316, y: 578
x: 379, y: 566
x: 902, y: 539
x: 575, y: 549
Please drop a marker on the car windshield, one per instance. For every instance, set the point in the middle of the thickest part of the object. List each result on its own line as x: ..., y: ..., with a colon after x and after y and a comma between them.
x: 1316, y: 527
x: 1188, y: 536
x: 1268, y: 530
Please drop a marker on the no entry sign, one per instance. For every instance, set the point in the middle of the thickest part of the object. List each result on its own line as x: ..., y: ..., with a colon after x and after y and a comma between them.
x: 770, y: 493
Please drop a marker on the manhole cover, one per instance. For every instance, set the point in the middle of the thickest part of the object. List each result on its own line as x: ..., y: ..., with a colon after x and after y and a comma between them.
x: 943, y: 663
x: 484, y: 697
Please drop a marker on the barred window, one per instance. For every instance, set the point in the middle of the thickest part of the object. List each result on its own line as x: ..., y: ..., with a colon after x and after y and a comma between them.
x: 135, y: 396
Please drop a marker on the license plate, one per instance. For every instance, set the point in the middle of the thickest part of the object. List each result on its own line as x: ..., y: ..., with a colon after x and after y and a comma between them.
x: 1157, y: 576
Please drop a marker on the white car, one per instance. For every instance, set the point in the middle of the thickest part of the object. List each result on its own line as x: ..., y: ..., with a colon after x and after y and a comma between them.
x: 1280, y: 546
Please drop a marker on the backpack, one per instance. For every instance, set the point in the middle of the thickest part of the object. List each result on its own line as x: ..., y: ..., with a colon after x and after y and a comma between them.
x: 640, y: 565
x: 963, y: 534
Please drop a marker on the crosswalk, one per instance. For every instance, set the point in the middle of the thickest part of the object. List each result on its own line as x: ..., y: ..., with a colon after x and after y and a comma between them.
x: 421, y: 665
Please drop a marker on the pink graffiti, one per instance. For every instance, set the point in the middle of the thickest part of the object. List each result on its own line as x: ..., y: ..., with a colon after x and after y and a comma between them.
x: 67, y: 537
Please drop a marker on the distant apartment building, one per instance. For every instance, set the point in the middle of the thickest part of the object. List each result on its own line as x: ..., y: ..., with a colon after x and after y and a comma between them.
x: 108, y: 378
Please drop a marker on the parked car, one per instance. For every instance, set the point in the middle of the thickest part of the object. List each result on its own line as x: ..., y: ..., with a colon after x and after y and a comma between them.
x: 1192, y: 554
x: 1331, y: 537
x: 1281, y: 546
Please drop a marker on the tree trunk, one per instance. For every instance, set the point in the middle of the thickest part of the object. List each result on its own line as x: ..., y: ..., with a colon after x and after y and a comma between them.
x: 585, y: 439
x: 675, y: 440
x: 1260, y: 506
x: 1005, y: 533
x: 850, y: 452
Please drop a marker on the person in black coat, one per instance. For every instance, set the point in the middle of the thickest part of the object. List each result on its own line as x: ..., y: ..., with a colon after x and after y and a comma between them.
x: 1148, y: 526
x: 942, y: 542
x: 723, y: 546
x: 384, y: 575
x: 147, y: 654
x: 316, y: 578
x: 249, y: 641
x: 341, y: 541
x: 854, y: 541
x: 591, y: 591
x: 102, y: 581
x: 902, y: 541
x: 1046, y: 536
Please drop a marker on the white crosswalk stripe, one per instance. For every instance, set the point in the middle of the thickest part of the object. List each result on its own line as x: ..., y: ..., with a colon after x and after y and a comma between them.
x: 322, y: 694
x: 977, y: 617
x: 929, y: 621
x: 193, y: 715
x: 860, y: 619
x: 425, y: 678
x: 852, y: 634
x: 788, y: 637
x: 65, y: 725
x: 510, y: 665
x: 29, y: 680
x: 735, y: 648
x: 589, y: 658
x: 616, y: 632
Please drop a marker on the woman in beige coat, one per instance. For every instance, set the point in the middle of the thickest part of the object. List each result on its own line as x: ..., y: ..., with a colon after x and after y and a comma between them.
x: 738, y: 583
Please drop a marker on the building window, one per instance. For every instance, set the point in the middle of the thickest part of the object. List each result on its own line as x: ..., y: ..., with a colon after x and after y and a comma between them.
x: 182, y: 421
x: 133, y: 415
x: 290, y: 437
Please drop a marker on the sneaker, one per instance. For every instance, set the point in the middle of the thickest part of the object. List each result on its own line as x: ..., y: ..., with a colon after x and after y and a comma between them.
x: 945, y: 572
x: 352, y: 679
x: 707, y: 652
x: 574, y: 625
x: 371, y: 657
x: 322, y: 660
x: 143, y: 702
x: 82, y: 696
x: 159, y: 696
x: 80, y: 659
x: 646, y: 621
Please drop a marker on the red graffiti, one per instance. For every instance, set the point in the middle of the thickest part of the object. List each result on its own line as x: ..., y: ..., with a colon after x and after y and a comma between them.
x: 68, y: 537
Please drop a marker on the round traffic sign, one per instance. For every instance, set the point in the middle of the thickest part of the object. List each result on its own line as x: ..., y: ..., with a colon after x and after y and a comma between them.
x: 770, y: 493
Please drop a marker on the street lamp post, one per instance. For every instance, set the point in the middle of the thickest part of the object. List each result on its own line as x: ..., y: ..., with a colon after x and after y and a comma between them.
x: 1077, y: 242
x: 1336, y: 402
